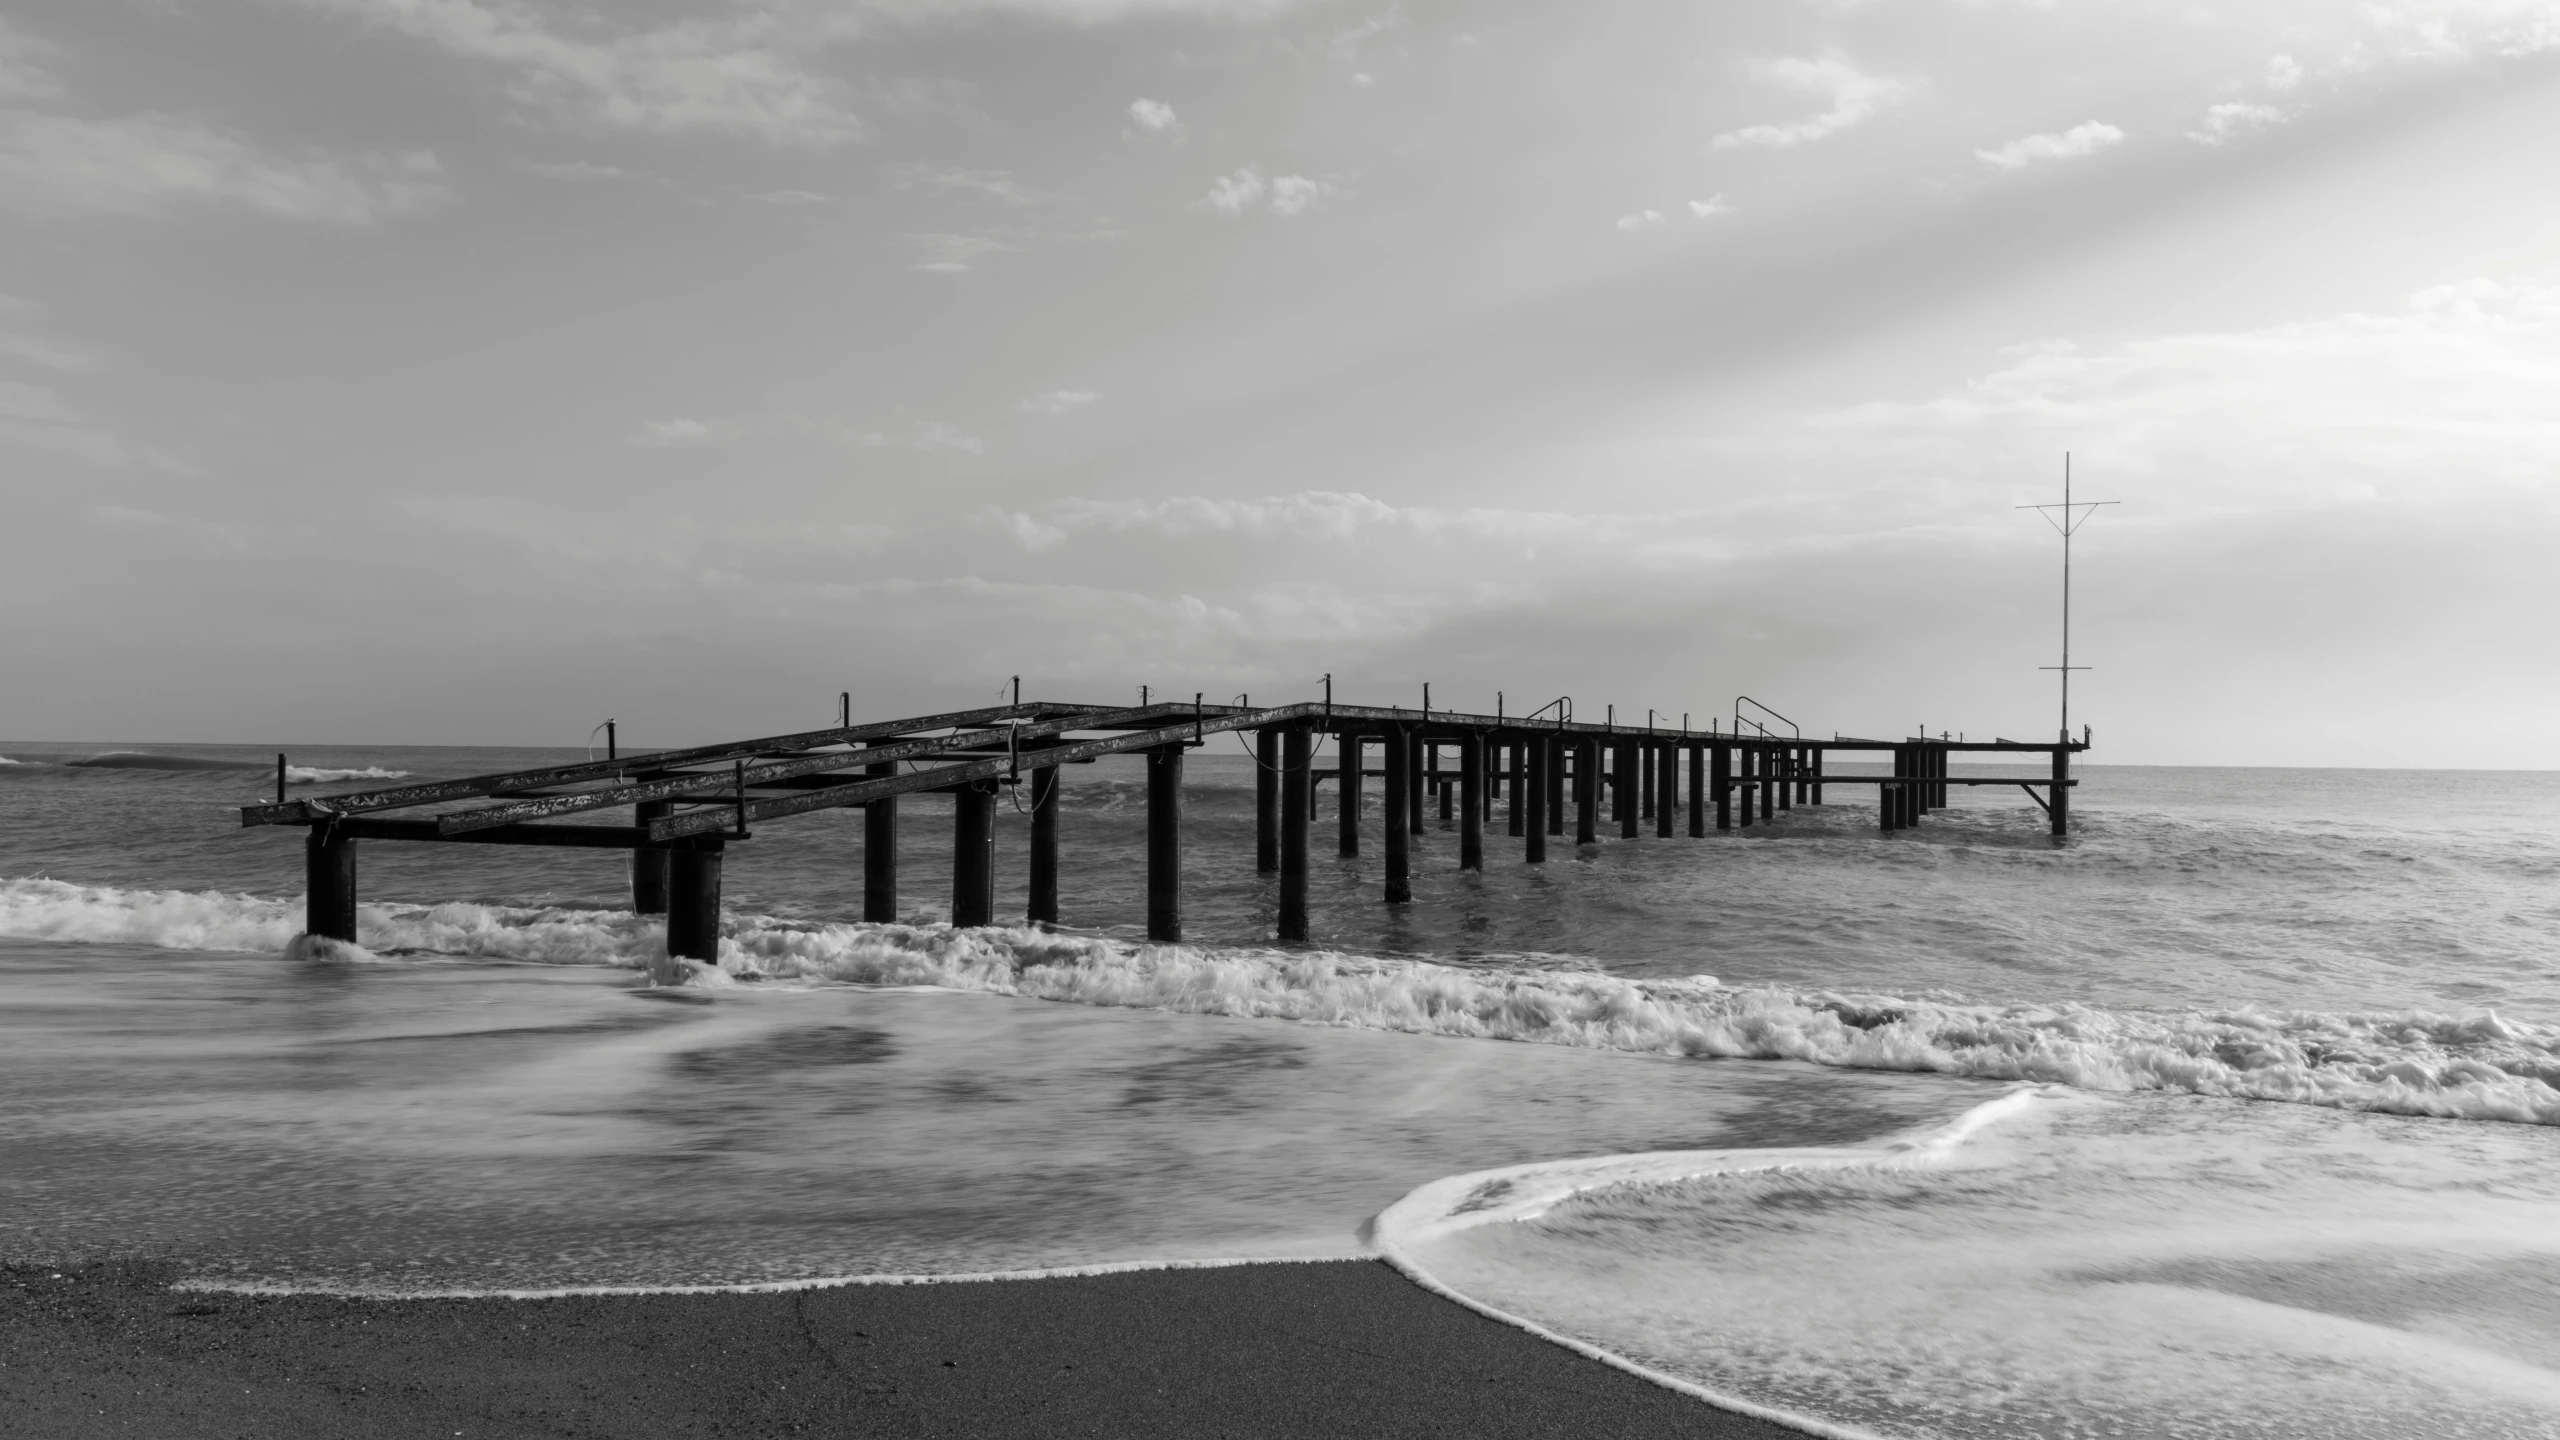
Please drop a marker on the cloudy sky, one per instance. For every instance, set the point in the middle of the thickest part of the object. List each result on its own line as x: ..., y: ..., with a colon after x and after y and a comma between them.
x: 470, y: 370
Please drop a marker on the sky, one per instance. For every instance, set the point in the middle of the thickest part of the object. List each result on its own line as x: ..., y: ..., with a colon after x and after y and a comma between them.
x: 467, y: 371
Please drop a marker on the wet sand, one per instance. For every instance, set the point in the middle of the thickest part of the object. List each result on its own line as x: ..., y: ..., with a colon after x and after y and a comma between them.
x: 1346, y: 1348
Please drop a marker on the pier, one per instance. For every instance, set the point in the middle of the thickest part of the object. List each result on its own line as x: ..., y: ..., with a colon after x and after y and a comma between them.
x: 1529, y: 779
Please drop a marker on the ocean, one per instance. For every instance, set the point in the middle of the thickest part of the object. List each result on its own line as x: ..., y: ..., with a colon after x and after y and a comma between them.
x: 2232, y: 1115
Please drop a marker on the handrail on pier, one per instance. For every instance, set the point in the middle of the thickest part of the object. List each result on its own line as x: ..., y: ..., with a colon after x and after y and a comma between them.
x: 1740, y: 720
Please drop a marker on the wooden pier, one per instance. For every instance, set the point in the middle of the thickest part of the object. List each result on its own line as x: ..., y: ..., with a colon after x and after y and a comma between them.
x: 686, y: 807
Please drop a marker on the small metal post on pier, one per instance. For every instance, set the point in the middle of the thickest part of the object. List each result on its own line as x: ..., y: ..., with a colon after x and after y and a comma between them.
x: 1164, y: 843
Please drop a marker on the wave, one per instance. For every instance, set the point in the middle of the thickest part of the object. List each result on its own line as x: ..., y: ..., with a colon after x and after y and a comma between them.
x: 1433, y: 1213
x: 140, y: 760
x: 2472, y: 1066
x: 322, y: 775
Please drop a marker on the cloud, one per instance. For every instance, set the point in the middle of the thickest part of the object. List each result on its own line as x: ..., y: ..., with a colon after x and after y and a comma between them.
x: 954, y: 254
x: 570, y: 169
x: 1155, y: 116
x: 2087, y: 138
x: 23, y: 75
x: 2232, y: 119
x: 1287, y: 196
x: 1639, y: 220
x: 741, y: 74
x: 1058, y: 402
x: 28, y: 347
x: 936, y: 435
x: 790, y: 197
x: 678, y: 431
x: 1711, y: 207
x: 1293, y: 195
x: 34, y: 417
x: 151, y: 164
x: 1237, y: 193
x: 2453, y: 396
x: 2283, y: 73
x: 987, y: 184
x: 1853, y: 94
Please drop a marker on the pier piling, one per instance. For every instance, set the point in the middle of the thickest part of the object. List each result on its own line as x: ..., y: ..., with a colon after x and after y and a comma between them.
x: 329, y: 874
x: 1539, y: 793
x: 1266, y: 800
x: 1347, y: 780
x: 880, y: 852
x: 1400, y: 815
x: 1043, y: 908
x: 1297, y: 782
x: 1622, y: 764
x: 1471, y: 802
x: 1164, y: 843
x: 693, y: 908
x: 973, y: 854
x: 649, y: 863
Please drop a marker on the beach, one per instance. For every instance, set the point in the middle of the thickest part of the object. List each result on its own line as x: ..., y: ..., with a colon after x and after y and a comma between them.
x: 1326, y: 1348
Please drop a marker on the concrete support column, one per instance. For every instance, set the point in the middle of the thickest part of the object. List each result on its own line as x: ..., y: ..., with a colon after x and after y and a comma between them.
x: 880, y: 853
x: 329, y: 878
x: 649, y: 864
x: 973, y: 854
x: 1471, y: 802
x: 693, y: 910
x: 1666, y: 801
x: 1697, y: 792
x: 1412, y: 789
x: 1044, y: 846
x: 1164, y: 843
x: 1534, y: 795
x: 1720, y: 780
x: 1347, y: 772
x: 1297, y: 781
x: 1266, y: 800
x: 2061, y: 793
x: 1622, y: 800
x: 1586, y: 793
x: 1400, y: 814
x: 1555, y: 782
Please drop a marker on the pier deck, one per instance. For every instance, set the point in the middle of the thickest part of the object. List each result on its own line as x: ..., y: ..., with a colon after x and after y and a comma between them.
x: 679, y: 810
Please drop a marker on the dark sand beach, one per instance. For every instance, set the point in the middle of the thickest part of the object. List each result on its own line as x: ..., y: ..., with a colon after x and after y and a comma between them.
x: 1337, y: 1348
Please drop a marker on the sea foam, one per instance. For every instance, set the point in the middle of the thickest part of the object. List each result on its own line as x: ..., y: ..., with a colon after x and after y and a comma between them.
x: 2473, y: 1066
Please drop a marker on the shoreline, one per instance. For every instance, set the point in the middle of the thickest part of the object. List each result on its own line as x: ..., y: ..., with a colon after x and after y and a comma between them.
x: 1343, y: 1347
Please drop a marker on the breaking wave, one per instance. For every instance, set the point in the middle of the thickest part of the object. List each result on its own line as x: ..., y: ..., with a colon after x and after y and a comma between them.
x: 2471, y: 1066
x: 321, y: 775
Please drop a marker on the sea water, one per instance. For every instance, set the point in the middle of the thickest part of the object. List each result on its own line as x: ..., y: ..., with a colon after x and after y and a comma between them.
x: 2233, y: 1114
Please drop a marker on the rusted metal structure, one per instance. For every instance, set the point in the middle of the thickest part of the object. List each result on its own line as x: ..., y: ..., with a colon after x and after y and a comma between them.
x: 679, y: 811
